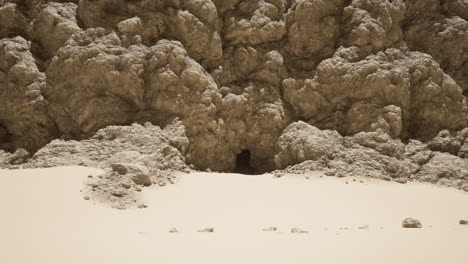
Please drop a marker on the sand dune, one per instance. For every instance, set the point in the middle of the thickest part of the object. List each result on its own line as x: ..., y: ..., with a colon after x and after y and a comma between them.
x: 46, y: 220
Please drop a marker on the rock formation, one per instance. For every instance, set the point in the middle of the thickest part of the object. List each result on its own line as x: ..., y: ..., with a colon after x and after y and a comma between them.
x: 376, y: 87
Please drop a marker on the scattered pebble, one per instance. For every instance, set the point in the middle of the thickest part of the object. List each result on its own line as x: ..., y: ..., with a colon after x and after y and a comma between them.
x: 363, y: 227
x: 411, y: 223
x: 463, y: 222
x: 361, y: 181
x: 90, y: 176
x: 296, y: 230
x: 86, y: 198
x: 118, y: 193
x: 141, y: 206
x: 273, y: 228
x: 173, y: 230
x: 347, y: 182
x: 207, y: 230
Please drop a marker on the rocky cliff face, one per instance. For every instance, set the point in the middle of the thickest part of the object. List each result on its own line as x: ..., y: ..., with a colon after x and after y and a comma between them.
x: 265, y: 76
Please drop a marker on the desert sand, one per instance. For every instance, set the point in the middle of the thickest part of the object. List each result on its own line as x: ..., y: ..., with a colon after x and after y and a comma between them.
x: 46, y: 220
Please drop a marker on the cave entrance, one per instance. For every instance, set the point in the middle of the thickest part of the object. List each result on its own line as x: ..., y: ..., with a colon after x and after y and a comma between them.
x: 243, y: 164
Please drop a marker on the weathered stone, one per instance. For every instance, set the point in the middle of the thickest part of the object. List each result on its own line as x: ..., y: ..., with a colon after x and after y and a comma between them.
x: 296, y: 230
x: 411, y: 223
x: 207, y: 230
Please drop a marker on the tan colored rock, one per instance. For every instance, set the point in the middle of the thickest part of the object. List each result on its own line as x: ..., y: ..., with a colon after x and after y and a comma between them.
x: 301, y: 141
x: 379, y: 93
x: 255, y: 22
x: 13, y: 22
x: 296, y: 230
x: 54, y: 24
x: 206, y: 230
x: 299, y: 85
x: 443, y: 166
x: 433, y: 25
x: 411, y: 223
x: 24, y: 117
x: 373, y: 25
x: 313, y: 27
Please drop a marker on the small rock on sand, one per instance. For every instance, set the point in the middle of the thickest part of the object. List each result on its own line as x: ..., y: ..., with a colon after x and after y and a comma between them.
x: 296, y: 230
x: 141, y: 206
x: 463, y: 222
x: 364, y: 227
x: 86, y: 198
x: 411, y: 223
x: 272, y: 229
x: 207, y: 230
x: 173, y: 230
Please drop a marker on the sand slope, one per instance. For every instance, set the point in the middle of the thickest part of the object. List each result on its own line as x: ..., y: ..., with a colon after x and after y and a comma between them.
x: 46, y: 220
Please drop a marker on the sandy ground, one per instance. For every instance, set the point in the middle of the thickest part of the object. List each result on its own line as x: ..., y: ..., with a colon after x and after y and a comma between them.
x: 44, y: 219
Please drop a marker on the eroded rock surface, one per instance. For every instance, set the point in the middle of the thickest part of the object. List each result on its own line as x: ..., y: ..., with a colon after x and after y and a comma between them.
x: 156, y: 148
x: 371, y: 87
x: 24, y: 118
x: 302, y: 148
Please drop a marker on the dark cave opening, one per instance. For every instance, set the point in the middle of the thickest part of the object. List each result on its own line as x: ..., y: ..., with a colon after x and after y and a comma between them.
x: 243, y: 164
x: 5, y: 139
